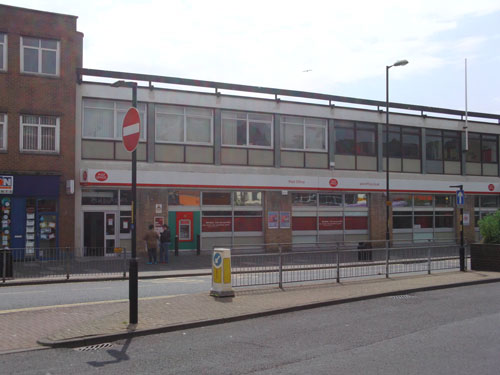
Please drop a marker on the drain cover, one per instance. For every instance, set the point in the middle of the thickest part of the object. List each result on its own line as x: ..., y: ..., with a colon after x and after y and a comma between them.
x: 94, y: 347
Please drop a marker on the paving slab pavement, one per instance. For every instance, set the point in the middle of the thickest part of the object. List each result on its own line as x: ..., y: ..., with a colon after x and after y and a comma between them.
x: 98, y: 322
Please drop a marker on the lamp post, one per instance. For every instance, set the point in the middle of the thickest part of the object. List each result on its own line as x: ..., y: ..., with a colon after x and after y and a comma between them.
x: 133, y: 267
x: 388, y: 200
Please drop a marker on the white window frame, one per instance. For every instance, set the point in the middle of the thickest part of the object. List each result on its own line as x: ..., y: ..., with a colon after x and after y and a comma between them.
x: 225, y: 116
x: 304, y: 125
x: 3, y: 47
x: 4, y: 124
x: 40, y: 49
x: 163, y: 109
x: 116, y: 126
x: 39, y: 135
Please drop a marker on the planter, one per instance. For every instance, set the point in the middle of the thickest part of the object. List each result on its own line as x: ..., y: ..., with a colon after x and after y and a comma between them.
x: 485, y: 257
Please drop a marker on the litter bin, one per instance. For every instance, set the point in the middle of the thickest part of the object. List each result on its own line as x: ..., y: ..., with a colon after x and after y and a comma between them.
x: 6, y: 263
x: 365, y: 254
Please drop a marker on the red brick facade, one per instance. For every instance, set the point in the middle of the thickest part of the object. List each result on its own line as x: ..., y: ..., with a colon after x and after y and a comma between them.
x: 23, y: 93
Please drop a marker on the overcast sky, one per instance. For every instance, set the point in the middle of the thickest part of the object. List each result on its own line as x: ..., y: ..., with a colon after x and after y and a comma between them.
x: 331, y: 47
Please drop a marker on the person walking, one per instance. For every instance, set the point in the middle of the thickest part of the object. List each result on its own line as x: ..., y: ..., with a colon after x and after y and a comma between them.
x: 164, y: 244
x: 151, y: 237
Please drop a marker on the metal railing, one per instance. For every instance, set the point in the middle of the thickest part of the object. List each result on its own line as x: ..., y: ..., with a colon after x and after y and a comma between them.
x: 61, y: 262
x: 338, y: 261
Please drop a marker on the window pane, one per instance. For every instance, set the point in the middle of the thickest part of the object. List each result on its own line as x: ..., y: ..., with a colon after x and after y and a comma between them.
x: 100, y: 197
x: 474, y: 153
x: 423, y: 200
x: 259, y: 134
x: 184, y: 198
x: 366, y: 144
x: 198, y: 130
x: 304, y: 223
x: 47, y: 205
x: 401, y: 200
x: 423, y: 220
x: 212, y: 198
x: 98, y: 123
x: 30, y: 138
x: 48, y: 139
x: 411, y: 143
x: 394, y: 143
x: 315, y: 138
x: 125, y: 197
x: 32, y: 42
x: 292, y: 136
x: 490, y: 151
x: 169, y: 128
x: 247, y: 198
x: 433, y: 146
x: 451, y: 147
x: 356, y: 200
x: 489, y: 201
x: 248, y: 224
x: 332, y: 200
x: 444, y: 200
x: 49, y: 62
x: 30, y: 60
x: 444, y: 220
x: 234, y: 132
x: 402, y: 220
x: 260, y: 117
x: 47, y: 43
x: 344, y: 141
x: 304, y: 199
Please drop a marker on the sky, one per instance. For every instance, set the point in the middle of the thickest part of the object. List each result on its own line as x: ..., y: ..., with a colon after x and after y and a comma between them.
x: 330, y: 47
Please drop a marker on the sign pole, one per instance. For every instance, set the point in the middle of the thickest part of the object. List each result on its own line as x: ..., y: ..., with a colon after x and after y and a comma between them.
x: 461, y: 202
x: 133, y: 266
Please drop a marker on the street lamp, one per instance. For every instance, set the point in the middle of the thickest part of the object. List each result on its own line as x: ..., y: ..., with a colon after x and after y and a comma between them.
x: 388, y: 201
x: 133, y: 267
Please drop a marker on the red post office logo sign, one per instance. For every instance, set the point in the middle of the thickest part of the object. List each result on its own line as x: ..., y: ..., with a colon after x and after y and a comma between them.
x: 491, y: 187
x: 101, y: 176
x: 333, y: 182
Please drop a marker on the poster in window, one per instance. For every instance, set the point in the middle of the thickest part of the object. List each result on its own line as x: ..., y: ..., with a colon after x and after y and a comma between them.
x: 273, y: 220
x: 285, y: 219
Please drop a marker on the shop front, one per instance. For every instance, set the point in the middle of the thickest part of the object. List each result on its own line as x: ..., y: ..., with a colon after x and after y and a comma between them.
x: 30, y: 215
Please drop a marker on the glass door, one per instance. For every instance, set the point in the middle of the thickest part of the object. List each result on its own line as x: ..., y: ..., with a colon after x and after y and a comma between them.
x: 110, y: 233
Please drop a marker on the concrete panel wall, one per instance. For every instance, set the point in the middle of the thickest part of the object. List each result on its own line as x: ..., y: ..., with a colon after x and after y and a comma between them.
x: 235, y: 156
x: 169, y: 153
x: 292, y: 159
x: 316, y: 160
x: 97, y: 150
x: 345, y: 162
x: 261, y: 158
x: 452, y: 167
x: 200, y: 155
x: 367, y: 163
x: 411, y: 165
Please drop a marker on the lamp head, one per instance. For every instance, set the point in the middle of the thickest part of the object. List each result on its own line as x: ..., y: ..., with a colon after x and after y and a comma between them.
x: 400, y: 63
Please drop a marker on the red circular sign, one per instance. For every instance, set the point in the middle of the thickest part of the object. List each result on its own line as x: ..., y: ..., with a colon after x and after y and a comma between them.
x: 131, y: 129
x: 333, y: 182
x: 101, y: 176
x: 491, y: 187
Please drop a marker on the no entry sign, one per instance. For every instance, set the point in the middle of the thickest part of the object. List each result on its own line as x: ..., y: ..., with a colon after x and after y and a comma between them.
x: 131, y: 130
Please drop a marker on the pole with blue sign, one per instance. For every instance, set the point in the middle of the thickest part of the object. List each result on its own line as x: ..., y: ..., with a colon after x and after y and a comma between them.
x: 460, y: 204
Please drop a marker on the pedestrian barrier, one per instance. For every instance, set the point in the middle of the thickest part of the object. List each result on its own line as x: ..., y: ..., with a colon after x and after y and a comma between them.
x: 62, y: 262
x: 338, y: 261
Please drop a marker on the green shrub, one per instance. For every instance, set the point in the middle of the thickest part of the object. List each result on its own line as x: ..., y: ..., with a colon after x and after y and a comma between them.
x: 489, y: 226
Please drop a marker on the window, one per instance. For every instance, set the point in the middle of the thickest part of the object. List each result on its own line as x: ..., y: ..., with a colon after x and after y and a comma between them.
x: 303, y: 133
x: 483, y: 150
x: 3, y: 51
x: 247, y: 129
x: 39, y: 56
x: 441, y: 146
x: 248, y: 198
x: 355, y: 138
x: 103, y: 119
x: 3, y: 131
x: 183, y: 198
x: 304, y: 199
x: 394, y: 141
x: 176, y: 124
x: 39, y: 133
x: 216, y: 199
x: 411, y: 143
x: 489, y: 148
x: 452, y: 146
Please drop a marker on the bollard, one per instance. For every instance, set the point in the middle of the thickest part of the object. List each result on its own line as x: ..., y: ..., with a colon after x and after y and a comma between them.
x: 176, y: 246
x: 221, y: 273
x: 198, y: 244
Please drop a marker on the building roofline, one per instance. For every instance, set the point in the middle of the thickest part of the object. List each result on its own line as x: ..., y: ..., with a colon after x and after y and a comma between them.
x: 277, y: 92
x: 38, y: 11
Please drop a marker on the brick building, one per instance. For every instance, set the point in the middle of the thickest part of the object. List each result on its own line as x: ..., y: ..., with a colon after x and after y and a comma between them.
x: 39, y: 55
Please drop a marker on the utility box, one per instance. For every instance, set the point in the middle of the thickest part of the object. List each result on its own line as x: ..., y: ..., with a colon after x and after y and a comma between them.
x: 221, y: 273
